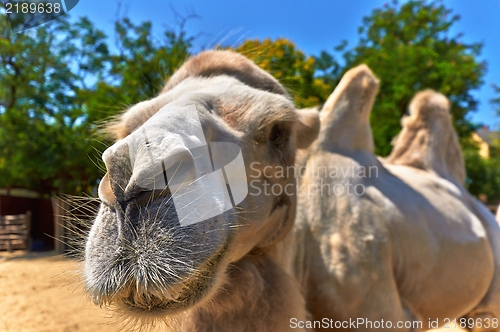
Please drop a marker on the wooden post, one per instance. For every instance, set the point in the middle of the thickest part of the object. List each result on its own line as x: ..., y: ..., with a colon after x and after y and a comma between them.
x: 59, y: 209
x: 29, y: 239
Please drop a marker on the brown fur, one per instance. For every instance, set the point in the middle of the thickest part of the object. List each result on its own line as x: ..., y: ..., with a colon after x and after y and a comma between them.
x: 259, y: 296
x: 215, y: 63
x: 206, y: 64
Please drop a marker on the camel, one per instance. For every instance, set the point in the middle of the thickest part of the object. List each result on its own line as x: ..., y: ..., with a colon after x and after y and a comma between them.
x: 219, y: 273
x: 428, y: 141
x: 391, y: 244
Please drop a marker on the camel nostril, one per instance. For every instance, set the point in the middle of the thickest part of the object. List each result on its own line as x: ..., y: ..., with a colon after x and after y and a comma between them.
x: 119, y: 168
x: 141, y: 198
x: 105, y: 192
x: 123, y: 205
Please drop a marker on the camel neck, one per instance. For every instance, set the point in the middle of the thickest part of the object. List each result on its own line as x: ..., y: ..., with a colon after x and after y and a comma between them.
x: 257, y: 296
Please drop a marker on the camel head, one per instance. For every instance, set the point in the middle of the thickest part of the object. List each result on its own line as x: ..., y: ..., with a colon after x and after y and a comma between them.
x: 177, y: 208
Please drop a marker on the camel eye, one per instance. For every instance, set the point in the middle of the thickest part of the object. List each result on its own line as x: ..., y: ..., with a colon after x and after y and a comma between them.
x: 279, y: 134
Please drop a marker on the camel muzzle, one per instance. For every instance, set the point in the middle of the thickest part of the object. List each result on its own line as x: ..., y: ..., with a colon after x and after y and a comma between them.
x: 170, y: 153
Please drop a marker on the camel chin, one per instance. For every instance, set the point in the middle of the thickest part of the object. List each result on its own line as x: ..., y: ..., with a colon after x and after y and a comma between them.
x: 141, y: 276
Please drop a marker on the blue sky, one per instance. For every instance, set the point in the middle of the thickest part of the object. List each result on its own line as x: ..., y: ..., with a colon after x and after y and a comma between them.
x: 312, y: 25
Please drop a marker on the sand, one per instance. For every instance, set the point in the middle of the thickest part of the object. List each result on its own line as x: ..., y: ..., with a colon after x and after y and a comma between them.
x: 43, y: 293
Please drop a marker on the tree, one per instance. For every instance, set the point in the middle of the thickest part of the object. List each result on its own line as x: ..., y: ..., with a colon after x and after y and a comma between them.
x: 290, y: 67
x: 143, y: 63
x: 409, y: 48
x: 495, y: 102
x: 58, y: 82
x: 42, y: 120
x: 483, y: 175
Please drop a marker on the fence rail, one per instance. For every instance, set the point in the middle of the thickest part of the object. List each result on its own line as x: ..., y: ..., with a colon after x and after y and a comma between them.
x: 15, y: 232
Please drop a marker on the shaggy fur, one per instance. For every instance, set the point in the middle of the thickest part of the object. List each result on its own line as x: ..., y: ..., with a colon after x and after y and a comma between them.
x: 427, y: 140
x: 409, y: 244
x: 221, y: 274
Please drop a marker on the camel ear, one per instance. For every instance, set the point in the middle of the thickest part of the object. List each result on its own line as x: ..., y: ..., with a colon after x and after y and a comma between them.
x: 307, y: 127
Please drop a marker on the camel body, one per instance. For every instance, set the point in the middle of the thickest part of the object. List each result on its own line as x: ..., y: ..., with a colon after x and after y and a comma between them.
x: 409, y: 246
x: 379, y: 257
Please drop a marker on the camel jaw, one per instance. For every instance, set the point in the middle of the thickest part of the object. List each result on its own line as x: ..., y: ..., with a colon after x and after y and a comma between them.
x: 169, y: 300
x: 140, y: 302
x: 155, y: 271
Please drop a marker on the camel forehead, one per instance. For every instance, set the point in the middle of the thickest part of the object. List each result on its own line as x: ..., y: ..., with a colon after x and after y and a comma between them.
x: 229, y: 97
x: 223, y: 97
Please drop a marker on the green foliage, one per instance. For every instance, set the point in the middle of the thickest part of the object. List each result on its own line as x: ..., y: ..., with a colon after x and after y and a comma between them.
x: 483, y: 175
x: 409, y: 48
x: 138, y: 70
x: 290, y: 67
x: 143, y: 63
x: 493, y: 164
x: 57, y: 82
x: 42, y: 119
x: 495, y: 102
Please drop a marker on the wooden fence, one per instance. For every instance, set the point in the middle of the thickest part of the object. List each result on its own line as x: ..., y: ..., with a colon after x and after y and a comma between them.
x: 42, y: 220
x: 15, y: 232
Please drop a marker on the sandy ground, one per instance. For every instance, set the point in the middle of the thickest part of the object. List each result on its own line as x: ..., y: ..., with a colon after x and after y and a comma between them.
x: 43, y: 293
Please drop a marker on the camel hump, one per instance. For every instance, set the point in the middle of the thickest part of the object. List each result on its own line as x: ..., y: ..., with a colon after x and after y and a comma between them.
x: 345, y: 117
x: 428, y: 140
